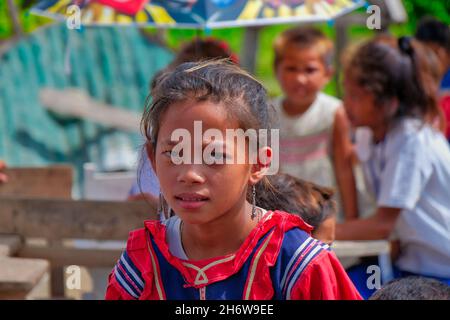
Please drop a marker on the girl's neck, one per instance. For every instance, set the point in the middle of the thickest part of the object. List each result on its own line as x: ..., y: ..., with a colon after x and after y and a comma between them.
x: 220, y: 237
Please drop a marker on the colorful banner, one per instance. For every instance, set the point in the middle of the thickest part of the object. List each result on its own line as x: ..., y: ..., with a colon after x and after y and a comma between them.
x: 196, y: 13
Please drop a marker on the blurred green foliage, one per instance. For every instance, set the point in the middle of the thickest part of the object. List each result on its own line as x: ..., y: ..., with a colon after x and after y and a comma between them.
x: 29, y: 22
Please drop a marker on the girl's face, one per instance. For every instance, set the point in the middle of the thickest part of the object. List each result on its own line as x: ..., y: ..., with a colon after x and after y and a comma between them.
x: 200, y: 193
x: 360, y: 105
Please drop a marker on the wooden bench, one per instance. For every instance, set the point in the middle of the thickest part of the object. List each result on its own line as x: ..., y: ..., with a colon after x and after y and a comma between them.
x: 40, y: 182
x: 59, y: 221
x: 9, y: 244
x: 35, y: 182
x: 19, y: 277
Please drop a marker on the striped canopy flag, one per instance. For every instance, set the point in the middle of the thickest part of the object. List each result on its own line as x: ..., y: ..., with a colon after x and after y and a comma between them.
x: 195, y: 13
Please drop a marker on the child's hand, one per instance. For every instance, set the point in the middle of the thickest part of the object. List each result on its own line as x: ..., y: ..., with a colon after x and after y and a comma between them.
x: 3, y: 177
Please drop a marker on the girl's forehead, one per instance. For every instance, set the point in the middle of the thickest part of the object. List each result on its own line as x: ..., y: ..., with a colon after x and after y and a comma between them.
x: 186, y: 114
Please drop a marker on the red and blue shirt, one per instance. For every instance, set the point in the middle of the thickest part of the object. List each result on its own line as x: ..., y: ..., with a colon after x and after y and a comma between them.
x: 278, y: 260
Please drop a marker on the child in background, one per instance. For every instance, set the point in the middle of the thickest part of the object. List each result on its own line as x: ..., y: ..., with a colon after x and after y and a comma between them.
x: 314, y: 133
x: 219, y: 244
x: 436, y: 35
x: 203, y: 49
x: 406, y: 161
x: 413, y: 288
x: 3, y: 177
x: 147, y: 185
x: 313, y: 203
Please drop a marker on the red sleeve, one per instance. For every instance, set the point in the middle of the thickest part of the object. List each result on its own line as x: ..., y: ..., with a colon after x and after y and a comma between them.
x: 445, y: 104
x: 324, y: 279
x: 126, y: 281
x: 114, y: 291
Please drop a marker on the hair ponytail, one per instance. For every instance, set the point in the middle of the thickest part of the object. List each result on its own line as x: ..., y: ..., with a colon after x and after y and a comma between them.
x: 424, y: 80
x: 401, y: 69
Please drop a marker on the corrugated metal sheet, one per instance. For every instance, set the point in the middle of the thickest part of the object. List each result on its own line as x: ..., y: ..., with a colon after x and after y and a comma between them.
x: 114, y: 65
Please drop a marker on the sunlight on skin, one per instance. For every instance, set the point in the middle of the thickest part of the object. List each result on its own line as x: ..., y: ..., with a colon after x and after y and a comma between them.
x: 3, y: 177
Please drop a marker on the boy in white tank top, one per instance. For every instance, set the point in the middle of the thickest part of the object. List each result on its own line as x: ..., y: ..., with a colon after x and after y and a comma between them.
x: 314, y: 133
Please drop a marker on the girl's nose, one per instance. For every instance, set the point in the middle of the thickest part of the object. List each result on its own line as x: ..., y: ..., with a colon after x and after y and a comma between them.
x: 190, y: 174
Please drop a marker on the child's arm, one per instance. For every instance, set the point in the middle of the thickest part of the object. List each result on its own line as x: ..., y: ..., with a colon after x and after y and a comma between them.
x: 3, y: 177
x: 376, y: 227
x: 342, y: 161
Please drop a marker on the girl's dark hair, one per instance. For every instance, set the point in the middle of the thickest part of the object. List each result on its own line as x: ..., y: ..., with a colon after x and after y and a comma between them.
x: 313, y: 203
x: 434, y: 31
x: 201, y: 49
x: 216, y: 81
x: 413, y: 288
x: 304, y: 38
x: 398, y: 68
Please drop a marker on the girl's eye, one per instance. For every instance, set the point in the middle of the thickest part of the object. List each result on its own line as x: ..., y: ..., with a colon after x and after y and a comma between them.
x: 216, y: 158
x: 291, y: 69
x: 311, y: 70
x: 173, y: 154
x: 217, y: 155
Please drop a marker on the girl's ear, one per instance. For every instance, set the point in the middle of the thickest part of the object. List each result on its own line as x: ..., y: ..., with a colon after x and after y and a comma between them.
x: 151, y: 155
x: 329, y: 73
x: 260, y: 169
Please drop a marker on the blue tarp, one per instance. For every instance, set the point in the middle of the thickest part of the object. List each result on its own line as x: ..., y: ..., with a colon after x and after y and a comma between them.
x: 113, y: 65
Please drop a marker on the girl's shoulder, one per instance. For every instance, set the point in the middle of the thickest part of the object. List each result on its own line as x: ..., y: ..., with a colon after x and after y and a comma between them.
x: 297, y: 235
x: 128, y: 277
x: 287, y: 221
x: 136, y: 240
x: 410, y: 135
x: 306, y: 268
x: 328, y: 101
x: 317, y: 119
x: 324, y: 104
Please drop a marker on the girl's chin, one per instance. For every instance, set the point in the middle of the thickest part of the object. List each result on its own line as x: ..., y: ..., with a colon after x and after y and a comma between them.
x: 353, y: 122
x: 190, y: 210
x: 194, y: 219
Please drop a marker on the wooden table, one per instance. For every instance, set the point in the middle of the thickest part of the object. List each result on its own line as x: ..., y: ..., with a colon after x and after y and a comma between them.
x: 360, y: 248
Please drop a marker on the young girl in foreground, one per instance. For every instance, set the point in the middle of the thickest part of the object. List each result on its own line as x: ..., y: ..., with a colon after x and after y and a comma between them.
x: 218, y: 245
x: 390, y: 90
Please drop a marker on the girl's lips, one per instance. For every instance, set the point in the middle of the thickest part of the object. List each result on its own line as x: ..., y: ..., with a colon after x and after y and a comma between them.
x: 191, y: 200
x: 191, y: 204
